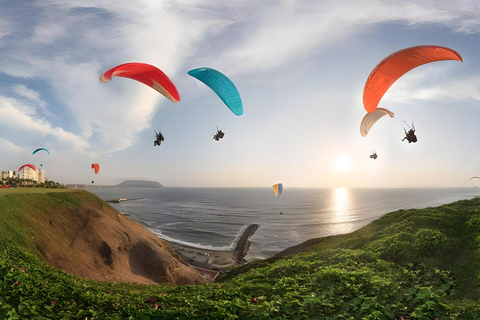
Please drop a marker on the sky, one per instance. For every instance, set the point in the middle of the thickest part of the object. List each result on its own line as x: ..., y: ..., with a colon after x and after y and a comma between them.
x: 299, y: 66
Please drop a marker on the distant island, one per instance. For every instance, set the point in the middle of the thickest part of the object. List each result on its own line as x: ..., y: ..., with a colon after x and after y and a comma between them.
x: 139, y: 184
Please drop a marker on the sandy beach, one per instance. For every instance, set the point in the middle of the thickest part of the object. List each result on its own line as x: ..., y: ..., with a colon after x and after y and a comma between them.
x: 216, y: 260
x: 209, y: 259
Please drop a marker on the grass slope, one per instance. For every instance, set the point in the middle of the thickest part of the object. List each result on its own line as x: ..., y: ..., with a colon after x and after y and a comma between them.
x: 7, y: 191
x: 19, y: 207
x: 417, y: 263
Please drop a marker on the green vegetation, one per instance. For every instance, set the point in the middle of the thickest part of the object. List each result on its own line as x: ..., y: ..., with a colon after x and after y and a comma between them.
x: 423, y: 264
x: 6, y: 191
x: 15, y: 181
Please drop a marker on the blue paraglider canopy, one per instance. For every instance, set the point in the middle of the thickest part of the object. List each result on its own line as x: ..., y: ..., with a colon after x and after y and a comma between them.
x: 278, y: 189
x: 36, y: 150
x: 222, y: 86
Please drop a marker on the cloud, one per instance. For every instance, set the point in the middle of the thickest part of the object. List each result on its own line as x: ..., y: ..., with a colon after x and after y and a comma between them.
x: 68, y: 44
x: 29, y: 94
x: 5, y: 28
x: 10, y: 148
x: 432, y: 83
x: 290, y: 30
x: 13, y: 116
x: 71, y: 43
x: 454, y: 89
x: 34, y: 103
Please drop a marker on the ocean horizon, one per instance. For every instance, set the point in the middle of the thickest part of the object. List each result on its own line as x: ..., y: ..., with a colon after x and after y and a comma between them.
x: 214, y: 218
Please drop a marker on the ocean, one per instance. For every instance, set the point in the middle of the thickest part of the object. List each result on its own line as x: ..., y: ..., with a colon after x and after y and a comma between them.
x: 214, y: 218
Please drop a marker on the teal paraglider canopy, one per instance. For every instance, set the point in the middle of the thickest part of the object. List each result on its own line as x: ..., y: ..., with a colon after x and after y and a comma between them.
x: 222, y: 86
x: 39, y: 149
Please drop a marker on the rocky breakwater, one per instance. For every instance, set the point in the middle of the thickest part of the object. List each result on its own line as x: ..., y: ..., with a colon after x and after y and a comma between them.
x: 243, y: 243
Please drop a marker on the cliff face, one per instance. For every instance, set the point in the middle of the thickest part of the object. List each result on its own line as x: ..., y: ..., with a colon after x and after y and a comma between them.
x: 83, y: 235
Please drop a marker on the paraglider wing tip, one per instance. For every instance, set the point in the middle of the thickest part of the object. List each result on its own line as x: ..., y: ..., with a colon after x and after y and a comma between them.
x: 192, y: 72
x: 104, y: 79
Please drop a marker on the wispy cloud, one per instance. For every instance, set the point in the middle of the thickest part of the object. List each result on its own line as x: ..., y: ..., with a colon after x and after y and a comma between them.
x: 290, y: 30
x: 29, y: 94
x: 8, y: 147
x: 433, y: 83
x: 68, y: 44
x: 454, y: 89
x: 13, y: 116
x: 36, y: 106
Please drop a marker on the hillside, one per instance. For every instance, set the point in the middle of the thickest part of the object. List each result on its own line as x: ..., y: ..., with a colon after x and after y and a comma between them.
x: 139, y: 184
x: 79, y: 233
x: 415, y: 264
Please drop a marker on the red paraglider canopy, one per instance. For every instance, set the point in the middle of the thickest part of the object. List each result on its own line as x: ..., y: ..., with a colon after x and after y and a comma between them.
x: 396, y: 65
x: 27, y: 165
x: 96, y: 166
x: 146, y: 74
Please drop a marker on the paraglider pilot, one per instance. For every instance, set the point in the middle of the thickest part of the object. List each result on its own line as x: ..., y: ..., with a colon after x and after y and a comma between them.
x: 410, y: 135
x: 159, y: 139
x: 219, y: 135
x: 374, y: 155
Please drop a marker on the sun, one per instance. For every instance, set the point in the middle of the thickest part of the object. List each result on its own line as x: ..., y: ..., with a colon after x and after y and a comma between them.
x: 343, y: 163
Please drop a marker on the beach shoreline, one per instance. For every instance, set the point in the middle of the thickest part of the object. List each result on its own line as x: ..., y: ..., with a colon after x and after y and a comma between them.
x: 216, y: 260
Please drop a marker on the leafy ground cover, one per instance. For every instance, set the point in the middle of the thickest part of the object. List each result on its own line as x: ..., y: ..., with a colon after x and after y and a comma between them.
x: 19, y: 190
x: 418, y: 264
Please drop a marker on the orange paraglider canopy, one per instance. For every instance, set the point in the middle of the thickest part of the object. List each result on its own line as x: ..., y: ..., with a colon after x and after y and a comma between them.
x: 146, y: 74
x: 396, y: 65
x: 96, y: 166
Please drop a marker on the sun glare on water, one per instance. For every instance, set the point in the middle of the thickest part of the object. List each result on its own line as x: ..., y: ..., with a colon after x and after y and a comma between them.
x: 343, y: 163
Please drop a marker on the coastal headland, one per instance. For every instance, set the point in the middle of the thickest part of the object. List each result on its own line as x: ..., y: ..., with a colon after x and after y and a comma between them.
x: 78, y: 232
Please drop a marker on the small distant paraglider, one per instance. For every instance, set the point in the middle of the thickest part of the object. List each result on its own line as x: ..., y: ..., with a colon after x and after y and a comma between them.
x: 40, y: 149
x: 277, y: 189
x: 219, y: 135
x: 475, y: 177
x: 146, y: 74
x: 371, y: 118
x: 410, y: 135
x: 96, y: 168
x: 373, y: 155
x: 158, y: 139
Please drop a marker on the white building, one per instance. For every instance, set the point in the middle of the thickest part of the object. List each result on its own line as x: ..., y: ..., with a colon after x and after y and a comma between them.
x: 29, y: 173
x: 41, y: 176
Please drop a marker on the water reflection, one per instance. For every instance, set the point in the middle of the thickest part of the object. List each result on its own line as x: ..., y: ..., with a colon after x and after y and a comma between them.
x: 340, y: 211
x: 341, y: 201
